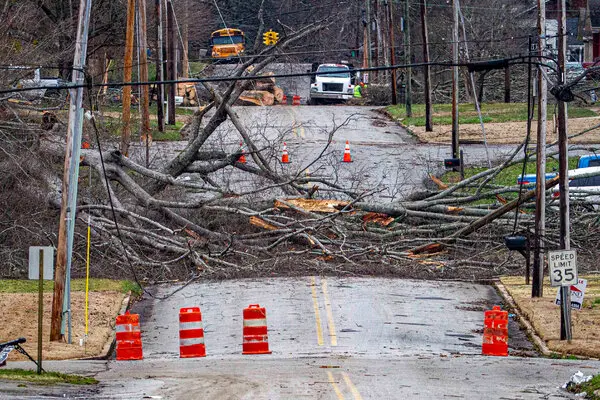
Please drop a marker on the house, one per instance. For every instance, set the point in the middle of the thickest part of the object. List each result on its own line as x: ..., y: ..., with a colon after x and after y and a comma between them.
x: 594, y: 7
x: 583, y: 42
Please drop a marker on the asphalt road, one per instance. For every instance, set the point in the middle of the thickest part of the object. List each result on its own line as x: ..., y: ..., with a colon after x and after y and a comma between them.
x: 331, y: 339
x: 385, y: 157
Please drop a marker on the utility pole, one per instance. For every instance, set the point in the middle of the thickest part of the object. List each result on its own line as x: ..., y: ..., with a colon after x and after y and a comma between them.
x: 427, y: 68
x: 185, y: 64
x: 146, y: 136
x: 407, y: 58
x: 369, y: 51
x: 62, y: 274
x: 171, y: 63
x: 537, y: 288
x: 377, y: 41
x: 127, y: 72
x: 392, y: 50
x: 160, y: 75
x: 563, y: 172
x: 455, y: 142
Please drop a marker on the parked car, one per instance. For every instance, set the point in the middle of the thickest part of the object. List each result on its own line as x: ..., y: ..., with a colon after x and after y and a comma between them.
x: 532, y: 178
x: 592, y: 160
x: 35, y: 78
x: 582, y: 186
x: 573, y: 70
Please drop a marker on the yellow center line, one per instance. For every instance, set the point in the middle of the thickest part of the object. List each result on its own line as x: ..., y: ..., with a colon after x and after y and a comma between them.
x: 330, y: 323
x: 313, y: 288
x: 353, y: 388
x: 292, y: 114
x: 336, y: 389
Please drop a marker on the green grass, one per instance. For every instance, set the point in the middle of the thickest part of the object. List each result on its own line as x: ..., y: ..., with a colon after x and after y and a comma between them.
x: 596, y: 303
x: 508, y: 177
x: 96, y: 285
x: 491, y: 112
x: 588, y: 387
x: 46, y: 378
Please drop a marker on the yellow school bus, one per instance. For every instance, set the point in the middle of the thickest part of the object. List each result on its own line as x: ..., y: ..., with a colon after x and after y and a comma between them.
x: 227, y: 43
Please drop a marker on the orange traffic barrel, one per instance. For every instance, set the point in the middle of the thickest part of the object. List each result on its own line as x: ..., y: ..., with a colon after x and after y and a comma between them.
x: 296, y: 100
x: 495, y: 332
x: 347, y: 156
x: 129, y: 337
x: 284, y: 99
x: 255, y: 330
x: 191, y: 333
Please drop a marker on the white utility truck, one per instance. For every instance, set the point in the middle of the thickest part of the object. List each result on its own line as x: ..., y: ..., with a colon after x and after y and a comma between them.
x: 336, y: 85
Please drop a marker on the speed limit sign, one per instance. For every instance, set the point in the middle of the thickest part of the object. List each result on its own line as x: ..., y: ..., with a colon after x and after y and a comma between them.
x: 562, y: 265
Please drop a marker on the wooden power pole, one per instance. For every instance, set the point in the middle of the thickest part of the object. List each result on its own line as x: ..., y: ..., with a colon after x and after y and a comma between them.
x: 369, y: 28
x: 537, y: 288
x: 70, y: 179
x: 427, y: 68
x: 171, y: 63
x: 392, y: 50
x: 185, y: 64
x: 127, y: 72
x: 455, y: 142
x: 563, y: 172
x: 146, y: 134
x: 407, y: 58
x: 160, y: 91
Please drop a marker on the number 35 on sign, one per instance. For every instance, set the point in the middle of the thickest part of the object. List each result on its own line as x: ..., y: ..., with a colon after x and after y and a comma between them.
x: 562, y: 265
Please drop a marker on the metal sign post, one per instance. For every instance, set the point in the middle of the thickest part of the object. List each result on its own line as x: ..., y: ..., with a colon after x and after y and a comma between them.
x: 562, y: 265
x: 40, y: 257
x: 40, y: 310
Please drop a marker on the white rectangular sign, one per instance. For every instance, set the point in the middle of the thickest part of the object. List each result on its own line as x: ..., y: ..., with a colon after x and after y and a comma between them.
x: 577, y: 293
x: 34, y: 262
x: 562, y: 265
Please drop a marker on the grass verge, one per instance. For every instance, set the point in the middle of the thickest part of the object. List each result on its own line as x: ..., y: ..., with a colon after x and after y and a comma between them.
x: 508, y: 176
x: 77, y: 285
x: 591, y: 388
x: 544, y: 316
x: 46, y: 378
x: 491, y: 112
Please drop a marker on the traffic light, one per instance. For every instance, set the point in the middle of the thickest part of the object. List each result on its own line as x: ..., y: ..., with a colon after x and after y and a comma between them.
x: 266, y: 39
x: 270, y: 38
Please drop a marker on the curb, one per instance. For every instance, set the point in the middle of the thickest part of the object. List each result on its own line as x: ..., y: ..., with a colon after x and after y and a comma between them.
x: 109, y: 346
x: 539, y: 343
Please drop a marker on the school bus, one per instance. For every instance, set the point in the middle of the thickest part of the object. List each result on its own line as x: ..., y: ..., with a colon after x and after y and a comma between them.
x: 227, y: 43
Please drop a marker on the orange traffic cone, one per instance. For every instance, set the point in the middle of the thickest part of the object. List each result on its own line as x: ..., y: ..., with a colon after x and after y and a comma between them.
x: 242, y: 159
x: 347, y: 157
x: 285, y: 158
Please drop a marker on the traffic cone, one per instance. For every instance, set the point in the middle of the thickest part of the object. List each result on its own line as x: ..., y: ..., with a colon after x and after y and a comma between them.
x: 285, y: 158
x: 347, y: 157
x: 242, y: 159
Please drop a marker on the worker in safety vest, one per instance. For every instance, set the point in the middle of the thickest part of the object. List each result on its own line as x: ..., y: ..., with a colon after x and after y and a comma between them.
x: 358, y: 89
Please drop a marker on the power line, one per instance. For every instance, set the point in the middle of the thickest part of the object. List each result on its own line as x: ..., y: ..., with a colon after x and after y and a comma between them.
x: 489, y: 64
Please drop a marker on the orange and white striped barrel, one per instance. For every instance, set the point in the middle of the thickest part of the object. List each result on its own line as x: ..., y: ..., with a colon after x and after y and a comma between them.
x: 255, y: 330
x: 129, y: 337
x: 296, y: 100
x: 191, y: 333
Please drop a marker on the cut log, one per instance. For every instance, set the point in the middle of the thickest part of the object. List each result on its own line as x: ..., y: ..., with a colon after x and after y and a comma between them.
x: 257, y: 97
x: 268, y: 86
x: 278, y: 94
